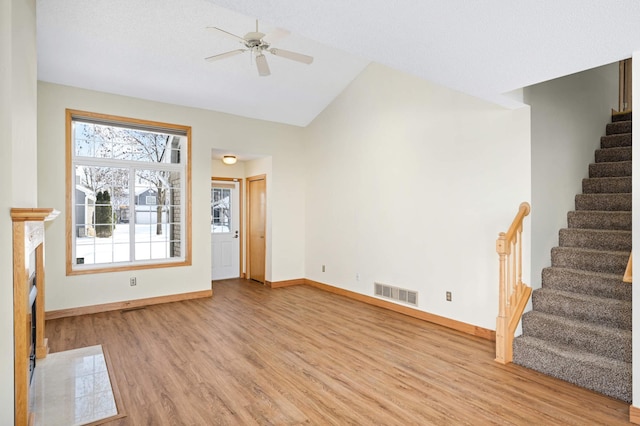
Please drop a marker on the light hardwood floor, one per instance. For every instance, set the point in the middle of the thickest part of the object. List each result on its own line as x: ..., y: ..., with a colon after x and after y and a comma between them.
x: 299, y: 355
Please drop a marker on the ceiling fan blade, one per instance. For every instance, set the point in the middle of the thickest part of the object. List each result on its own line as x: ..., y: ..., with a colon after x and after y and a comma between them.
x: 225, y: 55
x: 276, y: 35
x: 226, y: 34
x: 263, y: 67
x: 299, y: 57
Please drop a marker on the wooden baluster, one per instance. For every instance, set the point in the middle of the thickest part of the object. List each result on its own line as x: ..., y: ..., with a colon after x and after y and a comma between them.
x: 512, y: 277
x: 519, y: 262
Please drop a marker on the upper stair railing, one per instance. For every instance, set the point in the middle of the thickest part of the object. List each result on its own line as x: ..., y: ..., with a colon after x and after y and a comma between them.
x: 624, y: 86
x: 514, y: 294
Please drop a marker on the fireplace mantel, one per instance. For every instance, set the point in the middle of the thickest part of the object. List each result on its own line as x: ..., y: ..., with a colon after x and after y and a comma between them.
x: 28, y: 258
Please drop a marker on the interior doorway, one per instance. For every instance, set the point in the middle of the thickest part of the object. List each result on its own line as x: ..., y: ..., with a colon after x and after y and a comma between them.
x: 256, y: 221
x: 226, y: 228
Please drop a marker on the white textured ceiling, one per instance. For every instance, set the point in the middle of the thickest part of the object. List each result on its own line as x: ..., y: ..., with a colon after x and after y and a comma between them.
x: 155, y: 49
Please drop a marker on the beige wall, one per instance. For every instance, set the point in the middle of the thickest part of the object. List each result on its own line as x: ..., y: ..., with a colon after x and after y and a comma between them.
x: 209, y: 130
x: 17, y: 162
x: 409, y: 184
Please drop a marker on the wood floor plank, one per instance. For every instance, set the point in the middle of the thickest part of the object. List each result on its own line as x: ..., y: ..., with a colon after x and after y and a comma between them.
x: 299, y: 355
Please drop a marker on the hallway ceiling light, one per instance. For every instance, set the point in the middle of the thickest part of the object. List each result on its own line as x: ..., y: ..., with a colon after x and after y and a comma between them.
x: 229, y: 159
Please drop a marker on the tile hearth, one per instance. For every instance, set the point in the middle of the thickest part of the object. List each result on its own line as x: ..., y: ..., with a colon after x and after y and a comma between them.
x: 73, y: 388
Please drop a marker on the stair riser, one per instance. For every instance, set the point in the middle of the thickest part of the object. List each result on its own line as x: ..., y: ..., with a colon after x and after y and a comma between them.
x: 613, y: 381
x: 613, y: 154
x: 627, y: 116
x: 601, y: 341
x: 603, y: 202
x: 599, y: 220
x: 616, y: 315
x: 585, y: 283
x: 615, y: 169
x: 596, y: 261
x: 619, y: 127
x: 614, y: 241
x: 613, y: 185
x: 615, y: 141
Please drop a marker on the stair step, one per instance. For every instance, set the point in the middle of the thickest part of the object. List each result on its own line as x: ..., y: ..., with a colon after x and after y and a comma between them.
x: 619, y: 127
x: 621, y: 116
x: 583, y: 336
x: 606, y: 185
x: 613, y: 154
x: 586, y: 282
x: 605, y: 312
x: 610, y: 169
x: 599, y: 219
x: 615, y: 141
x: 613, y: 262
x: 582, y: 307
x: 600, y: 239
x: 601, y: 374
x: 607, y: 202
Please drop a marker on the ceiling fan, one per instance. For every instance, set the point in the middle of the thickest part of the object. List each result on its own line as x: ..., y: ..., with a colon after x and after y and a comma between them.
x: 258, y: 43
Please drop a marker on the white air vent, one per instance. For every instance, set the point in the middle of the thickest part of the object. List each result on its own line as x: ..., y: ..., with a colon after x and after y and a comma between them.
x: 394, y: 293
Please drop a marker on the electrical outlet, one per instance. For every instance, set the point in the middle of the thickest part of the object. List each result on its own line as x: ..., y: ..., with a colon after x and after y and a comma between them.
x: 133, y: 281
x: 357, y: 276
x: 322, y: 268
x: 448, y: 296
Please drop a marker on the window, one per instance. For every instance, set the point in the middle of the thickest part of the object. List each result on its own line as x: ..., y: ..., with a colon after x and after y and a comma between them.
x: 220, y: 209
x: 128, y: 193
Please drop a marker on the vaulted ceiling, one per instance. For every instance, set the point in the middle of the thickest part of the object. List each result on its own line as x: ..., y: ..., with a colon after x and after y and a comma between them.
x: 155, y: 49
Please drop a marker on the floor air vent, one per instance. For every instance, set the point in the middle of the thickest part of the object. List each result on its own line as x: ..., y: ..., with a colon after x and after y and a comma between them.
x: 395, y: 293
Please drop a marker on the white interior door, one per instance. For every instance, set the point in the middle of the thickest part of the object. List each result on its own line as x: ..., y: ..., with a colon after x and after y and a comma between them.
x: 225, y: 227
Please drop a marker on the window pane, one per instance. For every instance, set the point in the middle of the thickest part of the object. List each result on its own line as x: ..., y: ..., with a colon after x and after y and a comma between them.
x: 220, y: 210
x: 153, y: 214
x: 92, y: 249
x: 104, y: 141
x: 101, y: 195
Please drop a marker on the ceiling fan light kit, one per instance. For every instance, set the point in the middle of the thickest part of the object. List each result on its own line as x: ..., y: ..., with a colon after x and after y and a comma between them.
x: 258, y: 43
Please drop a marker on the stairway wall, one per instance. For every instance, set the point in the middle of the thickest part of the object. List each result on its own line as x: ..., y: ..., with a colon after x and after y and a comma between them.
x: 636, y: 237
x: 559, y: 151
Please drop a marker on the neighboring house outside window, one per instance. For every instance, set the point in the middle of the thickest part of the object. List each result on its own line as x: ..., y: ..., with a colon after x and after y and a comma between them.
x: 128, y: 194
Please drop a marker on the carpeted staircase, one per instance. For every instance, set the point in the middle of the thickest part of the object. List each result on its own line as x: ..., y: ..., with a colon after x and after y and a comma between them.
x: 580, y: 327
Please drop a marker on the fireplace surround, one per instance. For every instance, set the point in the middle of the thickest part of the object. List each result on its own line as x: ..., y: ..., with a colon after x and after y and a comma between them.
x: 29, y: 343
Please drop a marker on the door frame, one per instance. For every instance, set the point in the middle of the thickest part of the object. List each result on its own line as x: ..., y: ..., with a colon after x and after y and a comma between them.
x: 240, y: 213
x: 250, y: 179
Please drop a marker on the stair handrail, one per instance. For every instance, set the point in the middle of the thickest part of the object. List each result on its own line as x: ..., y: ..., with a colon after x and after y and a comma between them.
x: 514, y: 294
x: 628, y: 273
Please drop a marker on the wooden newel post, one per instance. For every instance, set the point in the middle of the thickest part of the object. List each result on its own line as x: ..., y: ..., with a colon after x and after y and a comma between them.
x: 501, y: 324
